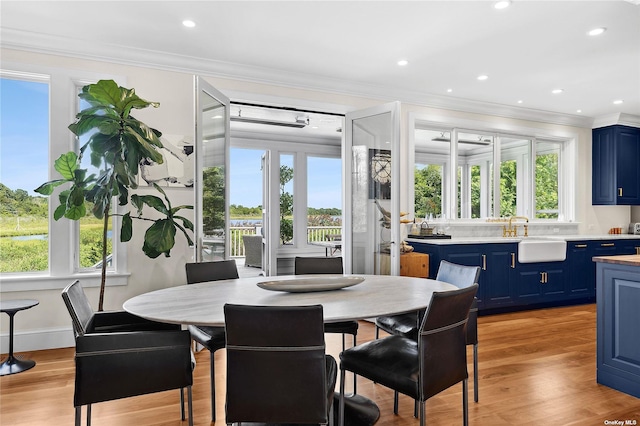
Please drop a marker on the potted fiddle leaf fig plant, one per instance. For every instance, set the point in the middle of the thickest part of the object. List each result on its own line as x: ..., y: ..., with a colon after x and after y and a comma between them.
x: 117, y: 144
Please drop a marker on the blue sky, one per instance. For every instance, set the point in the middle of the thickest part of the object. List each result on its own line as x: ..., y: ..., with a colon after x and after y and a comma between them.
x: 24, y: 134
x: 324, y: 179
x: 24, y: 162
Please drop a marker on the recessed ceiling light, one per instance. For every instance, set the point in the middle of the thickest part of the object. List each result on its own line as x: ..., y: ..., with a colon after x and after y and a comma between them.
x: 520, y: 101
x: 483, y: 77
x: 597, y: 31
x: 502, y: 4
x: 557, y: 91
x: 403, y: 62
x: 188, y: 23
x: 449, y: 90
x: 578, y: 111
x: 618, y: 101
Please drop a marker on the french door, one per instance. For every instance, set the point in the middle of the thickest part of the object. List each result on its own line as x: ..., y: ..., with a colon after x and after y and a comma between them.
x: 211, y: 209
x: 371, y: 161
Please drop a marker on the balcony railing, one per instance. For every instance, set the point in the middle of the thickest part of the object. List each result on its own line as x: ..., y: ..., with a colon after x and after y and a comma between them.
x: 314, y: 233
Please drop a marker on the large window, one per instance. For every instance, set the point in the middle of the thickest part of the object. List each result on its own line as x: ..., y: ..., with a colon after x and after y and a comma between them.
x: 24, y: 162
x: 36, y: 252
x: 527, y: 182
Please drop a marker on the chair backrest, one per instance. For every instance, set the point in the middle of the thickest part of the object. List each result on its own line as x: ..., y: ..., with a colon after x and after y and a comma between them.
x: 318, y: 265
x: 459, y: 275
x: 276, y: 371
x: 442, y: 340
x: 211, y: 271
x: 79, y: 308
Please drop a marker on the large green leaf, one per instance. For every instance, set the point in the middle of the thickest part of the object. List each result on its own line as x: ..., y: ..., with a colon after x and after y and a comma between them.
x: 66, y: 164
x: 126, y: 231
x: 159, y: 238
x: 104, y: 92
x: 146, y: 149
x: 47, y: 188
x: 155, y: 203
x: 105, y: 124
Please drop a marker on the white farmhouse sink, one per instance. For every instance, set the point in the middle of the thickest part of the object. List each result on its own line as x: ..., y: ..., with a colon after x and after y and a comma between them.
x: 531, y: 250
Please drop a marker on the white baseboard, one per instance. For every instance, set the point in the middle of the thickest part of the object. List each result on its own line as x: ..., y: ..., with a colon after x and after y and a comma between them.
x: 38, y: 340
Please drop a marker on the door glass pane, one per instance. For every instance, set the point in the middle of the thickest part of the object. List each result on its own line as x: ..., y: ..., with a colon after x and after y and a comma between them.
x: 214, y: 116
x: 286, y: 199
x: 324, y: 199
x: 24, y: 162
x: 245, y: 197
x: 475, y: 175
x: 371, y: 194
x: 547, y: 180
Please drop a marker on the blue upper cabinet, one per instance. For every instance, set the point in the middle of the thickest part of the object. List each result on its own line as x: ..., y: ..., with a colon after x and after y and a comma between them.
x: 616, y: 166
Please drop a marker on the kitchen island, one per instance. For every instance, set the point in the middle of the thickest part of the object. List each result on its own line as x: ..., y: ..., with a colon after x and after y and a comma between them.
x: 618, y: 322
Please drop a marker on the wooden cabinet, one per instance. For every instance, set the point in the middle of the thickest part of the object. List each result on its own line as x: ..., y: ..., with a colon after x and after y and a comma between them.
x: 615, y: 171
x: 411, y: 264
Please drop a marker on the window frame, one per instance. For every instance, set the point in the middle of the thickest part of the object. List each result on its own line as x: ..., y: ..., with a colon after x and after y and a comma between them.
x: 63, y: 234
x: 567, y: 163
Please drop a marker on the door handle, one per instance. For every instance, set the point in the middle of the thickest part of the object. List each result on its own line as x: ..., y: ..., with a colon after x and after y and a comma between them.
x: 541, y: 277
x: 581, y: 246
x: 513, y: 260
x: 607, y: 244
x: 484, y: 262
x: 620, y: 192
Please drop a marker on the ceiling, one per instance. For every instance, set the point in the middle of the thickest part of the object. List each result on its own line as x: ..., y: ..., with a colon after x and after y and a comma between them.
x: 352, y: 47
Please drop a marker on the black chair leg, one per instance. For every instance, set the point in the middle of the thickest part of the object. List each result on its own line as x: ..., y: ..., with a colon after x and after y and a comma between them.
x: 475, y: 373
x: 377, y: 332
x: 341, y: 408
x: 354, y: 374
x: 395, y: 402
x: 422, y: 412
x: 189, y: 404
x: 213, y: 388
x: 465, y: 403
x: 88, y: 414
x: 415, y: 408
x: 182, y: 404
x: 78, y: 416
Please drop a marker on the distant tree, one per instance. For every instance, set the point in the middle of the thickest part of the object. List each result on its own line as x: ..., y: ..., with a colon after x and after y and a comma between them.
x: 286, y: 206
x: 428, y: 190
x: 213, y: 199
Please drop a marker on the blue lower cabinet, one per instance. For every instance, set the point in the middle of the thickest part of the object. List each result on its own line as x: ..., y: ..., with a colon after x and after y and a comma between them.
x: 506, y: 284
x: 618, y: 334
x: 539, y: 282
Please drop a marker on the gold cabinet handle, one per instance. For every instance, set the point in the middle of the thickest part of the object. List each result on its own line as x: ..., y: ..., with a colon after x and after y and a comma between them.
x: 581, y: 246
x: 607, y: 244
x: 620, y: 192
x: 513, y: 260
x: 484, y: 262
x: 546, y: 277
x: 637, y: 250
x: 543, y: 277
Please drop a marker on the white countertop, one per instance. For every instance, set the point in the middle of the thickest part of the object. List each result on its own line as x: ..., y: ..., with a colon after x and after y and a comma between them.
x: 502, y: 240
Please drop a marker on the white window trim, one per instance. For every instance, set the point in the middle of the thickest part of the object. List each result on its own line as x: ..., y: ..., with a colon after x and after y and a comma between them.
x: 567, y: 179
x: 62, y: 233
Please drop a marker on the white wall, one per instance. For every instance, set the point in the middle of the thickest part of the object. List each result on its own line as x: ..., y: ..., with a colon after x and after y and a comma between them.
x: 48, y: 325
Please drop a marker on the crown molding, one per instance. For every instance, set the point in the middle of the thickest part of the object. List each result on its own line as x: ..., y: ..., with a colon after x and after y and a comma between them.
x: 617, y: 118
x: 125, y: 55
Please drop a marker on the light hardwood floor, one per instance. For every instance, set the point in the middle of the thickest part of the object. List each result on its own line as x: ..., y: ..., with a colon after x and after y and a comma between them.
x: 536, y: 368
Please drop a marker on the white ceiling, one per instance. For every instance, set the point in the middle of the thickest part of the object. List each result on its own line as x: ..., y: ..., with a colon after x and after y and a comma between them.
x: 352, y: 47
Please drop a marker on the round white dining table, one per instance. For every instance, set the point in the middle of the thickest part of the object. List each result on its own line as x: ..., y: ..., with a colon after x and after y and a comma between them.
x: 376, y: 295
x: 203, y: 303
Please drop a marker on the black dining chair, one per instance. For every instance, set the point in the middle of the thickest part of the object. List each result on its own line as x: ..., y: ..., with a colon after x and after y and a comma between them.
x: 407, y: 325
x: 328, y: 265
x: 277, y: 368
x: 419, y: 368
x: 212, y: 338
x: 119, y: 355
